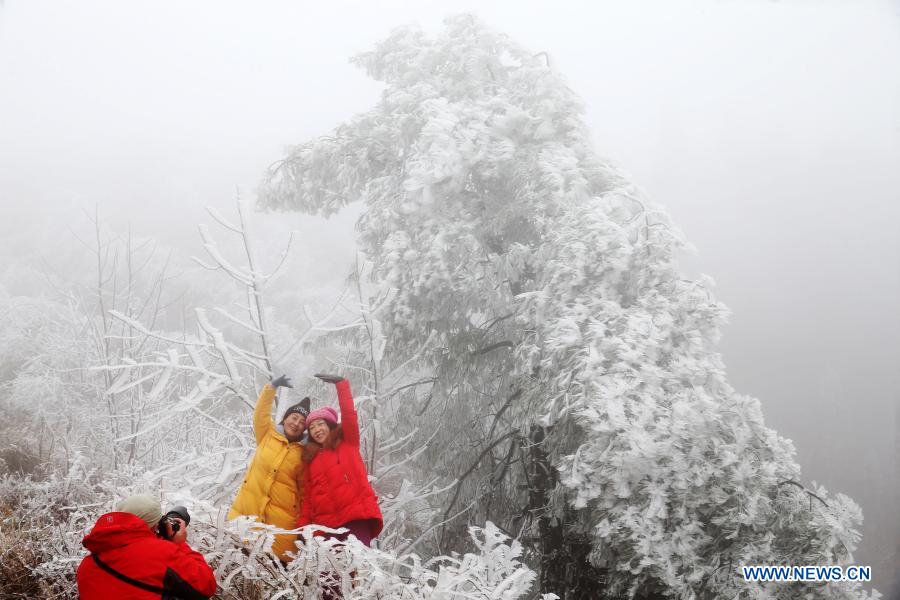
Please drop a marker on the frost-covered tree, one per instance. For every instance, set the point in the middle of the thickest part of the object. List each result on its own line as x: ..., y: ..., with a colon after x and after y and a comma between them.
x: 573, y: 364
x: 195, y: 391
x: 56, y: 350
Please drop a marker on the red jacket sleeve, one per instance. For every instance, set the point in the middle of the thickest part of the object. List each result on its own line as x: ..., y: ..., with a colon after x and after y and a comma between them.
x: 349, y: 419
x: 188, y: 574
x: 306, y: 510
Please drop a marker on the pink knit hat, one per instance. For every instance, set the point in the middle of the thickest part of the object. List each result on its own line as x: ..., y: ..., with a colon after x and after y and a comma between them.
x: 326, y: 412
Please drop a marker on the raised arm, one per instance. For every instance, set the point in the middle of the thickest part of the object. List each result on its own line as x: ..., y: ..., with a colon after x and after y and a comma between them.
x: 263, y: 422
x: 349, y: 419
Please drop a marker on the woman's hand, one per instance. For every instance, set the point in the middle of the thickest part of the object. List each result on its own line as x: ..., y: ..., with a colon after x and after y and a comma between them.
x: 283, y: 381
x: 329, y: 378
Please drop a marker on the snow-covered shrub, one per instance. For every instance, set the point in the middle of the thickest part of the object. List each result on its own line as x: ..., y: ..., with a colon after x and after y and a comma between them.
x: 43, y: 523
x: 168, y: 415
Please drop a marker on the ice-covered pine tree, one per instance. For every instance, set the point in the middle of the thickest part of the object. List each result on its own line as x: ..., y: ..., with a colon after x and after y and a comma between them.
x: 523, y: 259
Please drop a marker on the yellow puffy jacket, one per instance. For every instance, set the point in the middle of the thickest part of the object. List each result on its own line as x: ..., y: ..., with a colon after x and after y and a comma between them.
x: 270, y: 489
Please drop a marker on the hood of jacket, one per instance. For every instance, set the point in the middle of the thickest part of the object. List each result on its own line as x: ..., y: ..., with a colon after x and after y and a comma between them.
x: 114, y: 530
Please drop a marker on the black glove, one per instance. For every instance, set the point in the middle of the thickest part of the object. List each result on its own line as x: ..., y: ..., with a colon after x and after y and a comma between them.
x: 283, y: 381
x: 329, y: 378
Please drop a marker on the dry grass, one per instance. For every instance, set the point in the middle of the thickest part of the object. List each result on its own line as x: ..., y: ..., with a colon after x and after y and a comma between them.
x: 18, y: 557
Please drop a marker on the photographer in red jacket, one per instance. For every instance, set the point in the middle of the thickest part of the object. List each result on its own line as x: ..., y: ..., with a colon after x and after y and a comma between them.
x: 131, y: 560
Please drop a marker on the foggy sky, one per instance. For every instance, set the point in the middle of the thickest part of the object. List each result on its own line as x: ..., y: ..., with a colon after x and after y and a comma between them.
x: 770, y: 131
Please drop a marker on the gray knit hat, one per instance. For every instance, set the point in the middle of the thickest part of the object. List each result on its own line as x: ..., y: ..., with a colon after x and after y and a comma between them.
x: 144, y: 506
x: 301, y: 407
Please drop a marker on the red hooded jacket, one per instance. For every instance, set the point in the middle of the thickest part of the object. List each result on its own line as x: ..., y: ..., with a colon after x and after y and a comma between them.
x: 126, y: 544
x: 338, y: 486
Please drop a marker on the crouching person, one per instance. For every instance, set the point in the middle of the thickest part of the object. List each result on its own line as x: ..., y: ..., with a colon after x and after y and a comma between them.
x: 131, y: 560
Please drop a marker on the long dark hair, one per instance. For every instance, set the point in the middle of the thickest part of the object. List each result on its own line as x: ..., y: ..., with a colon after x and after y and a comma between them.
x: 312, y: 447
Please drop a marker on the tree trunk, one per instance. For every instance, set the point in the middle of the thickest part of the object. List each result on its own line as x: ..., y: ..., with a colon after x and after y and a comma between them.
x: 564, y: 566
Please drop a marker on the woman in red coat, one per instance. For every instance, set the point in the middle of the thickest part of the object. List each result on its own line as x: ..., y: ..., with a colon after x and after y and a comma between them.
x: 338, y: 493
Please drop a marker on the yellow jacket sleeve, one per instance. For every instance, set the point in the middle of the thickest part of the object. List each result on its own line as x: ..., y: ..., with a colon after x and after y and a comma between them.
x: 263, y: 422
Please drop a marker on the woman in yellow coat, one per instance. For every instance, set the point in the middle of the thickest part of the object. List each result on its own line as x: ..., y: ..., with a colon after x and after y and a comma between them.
x: 270, y: 490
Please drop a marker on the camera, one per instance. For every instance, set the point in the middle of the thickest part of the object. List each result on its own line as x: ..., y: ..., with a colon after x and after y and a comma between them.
x: 177, y: 512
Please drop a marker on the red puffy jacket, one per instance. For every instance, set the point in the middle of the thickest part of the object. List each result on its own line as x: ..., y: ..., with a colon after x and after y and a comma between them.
x: 124, y: 543
x: 338, y: 489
